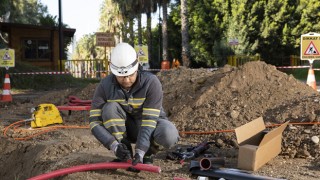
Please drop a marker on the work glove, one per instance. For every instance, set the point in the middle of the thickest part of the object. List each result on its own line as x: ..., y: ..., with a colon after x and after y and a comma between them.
x: 122, y: 152
x: 138, y: 157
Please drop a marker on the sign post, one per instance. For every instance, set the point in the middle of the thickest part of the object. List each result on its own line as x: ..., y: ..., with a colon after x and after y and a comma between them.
x: 105, y: 39
x: 233, y: 42
x: 142, y: 52
x: 7, y: 58
x: 310, y: 46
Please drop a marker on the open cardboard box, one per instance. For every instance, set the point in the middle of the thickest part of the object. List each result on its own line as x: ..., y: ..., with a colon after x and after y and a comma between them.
x: 256, y: 145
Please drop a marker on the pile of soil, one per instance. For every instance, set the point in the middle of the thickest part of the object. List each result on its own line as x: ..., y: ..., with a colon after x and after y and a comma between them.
x: 196, y: 100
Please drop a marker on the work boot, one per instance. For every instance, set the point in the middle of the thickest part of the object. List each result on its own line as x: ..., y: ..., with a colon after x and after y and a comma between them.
x: 148, y: 159
x: 152, y: 151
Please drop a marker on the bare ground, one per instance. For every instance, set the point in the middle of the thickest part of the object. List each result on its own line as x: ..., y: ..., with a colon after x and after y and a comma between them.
x: 196, y: 100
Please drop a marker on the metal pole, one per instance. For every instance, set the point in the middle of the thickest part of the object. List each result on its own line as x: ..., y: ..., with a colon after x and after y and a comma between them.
x: 60, y: 36
x: 160, y: 34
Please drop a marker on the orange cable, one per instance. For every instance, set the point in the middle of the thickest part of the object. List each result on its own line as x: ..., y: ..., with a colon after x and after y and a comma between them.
x: 295, y: 123
x: 6, y: 129
x: 15, y: 125
x: 208, y: 132
x: 49, y: 129
x: 34, y: 135
x: 220, y: 131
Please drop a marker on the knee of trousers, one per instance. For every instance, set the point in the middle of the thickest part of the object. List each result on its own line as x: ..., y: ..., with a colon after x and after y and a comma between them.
x: 166, y: 134
x: 112, y: 110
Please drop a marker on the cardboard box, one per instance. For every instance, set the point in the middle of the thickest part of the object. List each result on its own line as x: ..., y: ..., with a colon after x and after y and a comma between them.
x: 256, y: 145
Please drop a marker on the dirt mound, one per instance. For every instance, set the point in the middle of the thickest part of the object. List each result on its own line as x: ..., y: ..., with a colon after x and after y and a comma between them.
x: 229, y: 97
x: 196, y: 100
x: 201, y: 100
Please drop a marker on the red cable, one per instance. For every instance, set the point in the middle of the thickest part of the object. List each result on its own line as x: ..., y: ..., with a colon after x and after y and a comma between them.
x: 97, y: 166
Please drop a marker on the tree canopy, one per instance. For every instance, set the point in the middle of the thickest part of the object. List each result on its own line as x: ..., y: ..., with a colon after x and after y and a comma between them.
x: 271, y: 29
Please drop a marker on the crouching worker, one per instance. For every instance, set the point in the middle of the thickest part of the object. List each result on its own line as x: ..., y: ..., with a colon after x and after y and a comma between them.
x: 127, y: 108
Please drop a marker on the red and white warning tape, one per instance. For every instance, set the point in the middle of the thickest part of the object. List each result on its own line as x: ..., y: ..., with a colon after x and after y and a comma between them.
x: 157, y: 69
x: 292, y: 67
x: 209, y: 69
x: 29, y: 73
x: 88, y: 72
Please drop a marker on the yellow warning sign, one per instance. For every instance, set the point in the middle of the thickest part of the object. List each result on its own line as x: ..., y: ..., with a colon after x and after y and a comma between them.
x: 7, y: 58
x: 310, y: 46
x: 142, y: 52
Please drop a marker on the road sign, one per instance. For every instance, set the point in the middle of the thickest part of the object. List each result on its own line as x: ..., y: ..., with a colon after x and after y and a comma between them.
x: 310, y: 46
x: 7, y: 58
x: 105, y: 39
x: 142, y: 52
x: 233, y: 42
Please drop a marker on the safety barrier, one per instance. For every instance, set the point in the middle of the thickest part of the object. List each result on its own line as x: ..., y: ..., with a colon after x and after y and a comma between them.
x: 238, y: 60
x: 6, y: 91
x: 295, y: 60
x: 31, y: 73
x: 311, y: 79
x: 292, y: 67
x: 73, y: 72
x: 95, y: 68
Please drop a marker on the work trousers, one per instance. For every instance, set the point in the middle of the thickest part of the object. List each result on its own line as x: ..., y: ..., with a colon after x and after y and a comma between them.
x: 123, y: 125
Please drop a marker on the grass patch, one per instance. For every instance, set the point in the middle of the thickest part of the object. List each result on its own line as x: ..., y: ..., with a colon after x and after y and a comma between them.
x: 42, y: 81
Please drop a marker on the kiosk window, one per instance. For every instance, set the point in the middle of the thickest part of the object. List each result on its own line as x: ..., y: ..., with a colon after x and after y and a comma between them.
x: 36, y: 49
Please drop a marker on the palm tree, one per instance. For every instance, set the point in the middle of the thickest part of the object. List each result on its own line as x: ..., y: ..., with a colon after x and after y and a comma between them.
x: 164, y: 30
x: 132, y: 8
x: 150, y: 6
x: 139, y: 8
x: 184, y: 34
x: 111, y: 18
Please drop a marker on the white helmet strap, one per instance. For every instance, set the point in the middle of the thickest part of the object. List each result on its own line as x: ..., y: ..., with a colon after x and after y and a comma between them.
x: 123, y: 70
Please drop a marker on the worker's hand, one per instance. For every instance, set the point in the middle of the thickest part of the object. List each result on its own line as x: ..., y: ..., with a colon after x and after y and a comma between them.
x: 122, y: 152
x: 138, y: 157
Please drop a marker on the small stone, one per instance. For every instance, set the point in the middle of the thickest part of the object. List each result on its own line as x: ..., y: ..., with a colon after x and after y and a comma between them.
x: 307, y: 131
x: 234, y: 114
x: 306, y: 153
x: 293, y: 128
x: 220, y: 143
x: 315, y: 139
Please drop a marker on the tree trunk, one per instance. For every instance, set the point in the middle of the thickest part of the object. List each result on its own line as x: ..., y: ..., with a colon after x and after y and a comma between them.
x: 184, y: 34
x: 131, y: 38
x: 149, y: 38
x: 139, y: 30
x: 164, y: 30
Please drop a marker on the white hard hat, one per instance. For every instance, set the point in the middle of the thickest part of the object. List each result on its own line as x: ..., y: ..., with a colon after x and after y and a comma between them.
x: 124, y: 60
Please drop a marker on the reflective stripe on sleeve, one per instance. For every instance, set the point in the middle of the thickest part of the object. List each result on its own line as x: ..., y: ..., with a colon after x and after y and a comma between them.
x: 95, y: 112
x: 118, y: 135
x: 149, y: 123
x: 151, y: 112
x: 95, y: 123
x: 114, y: 122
